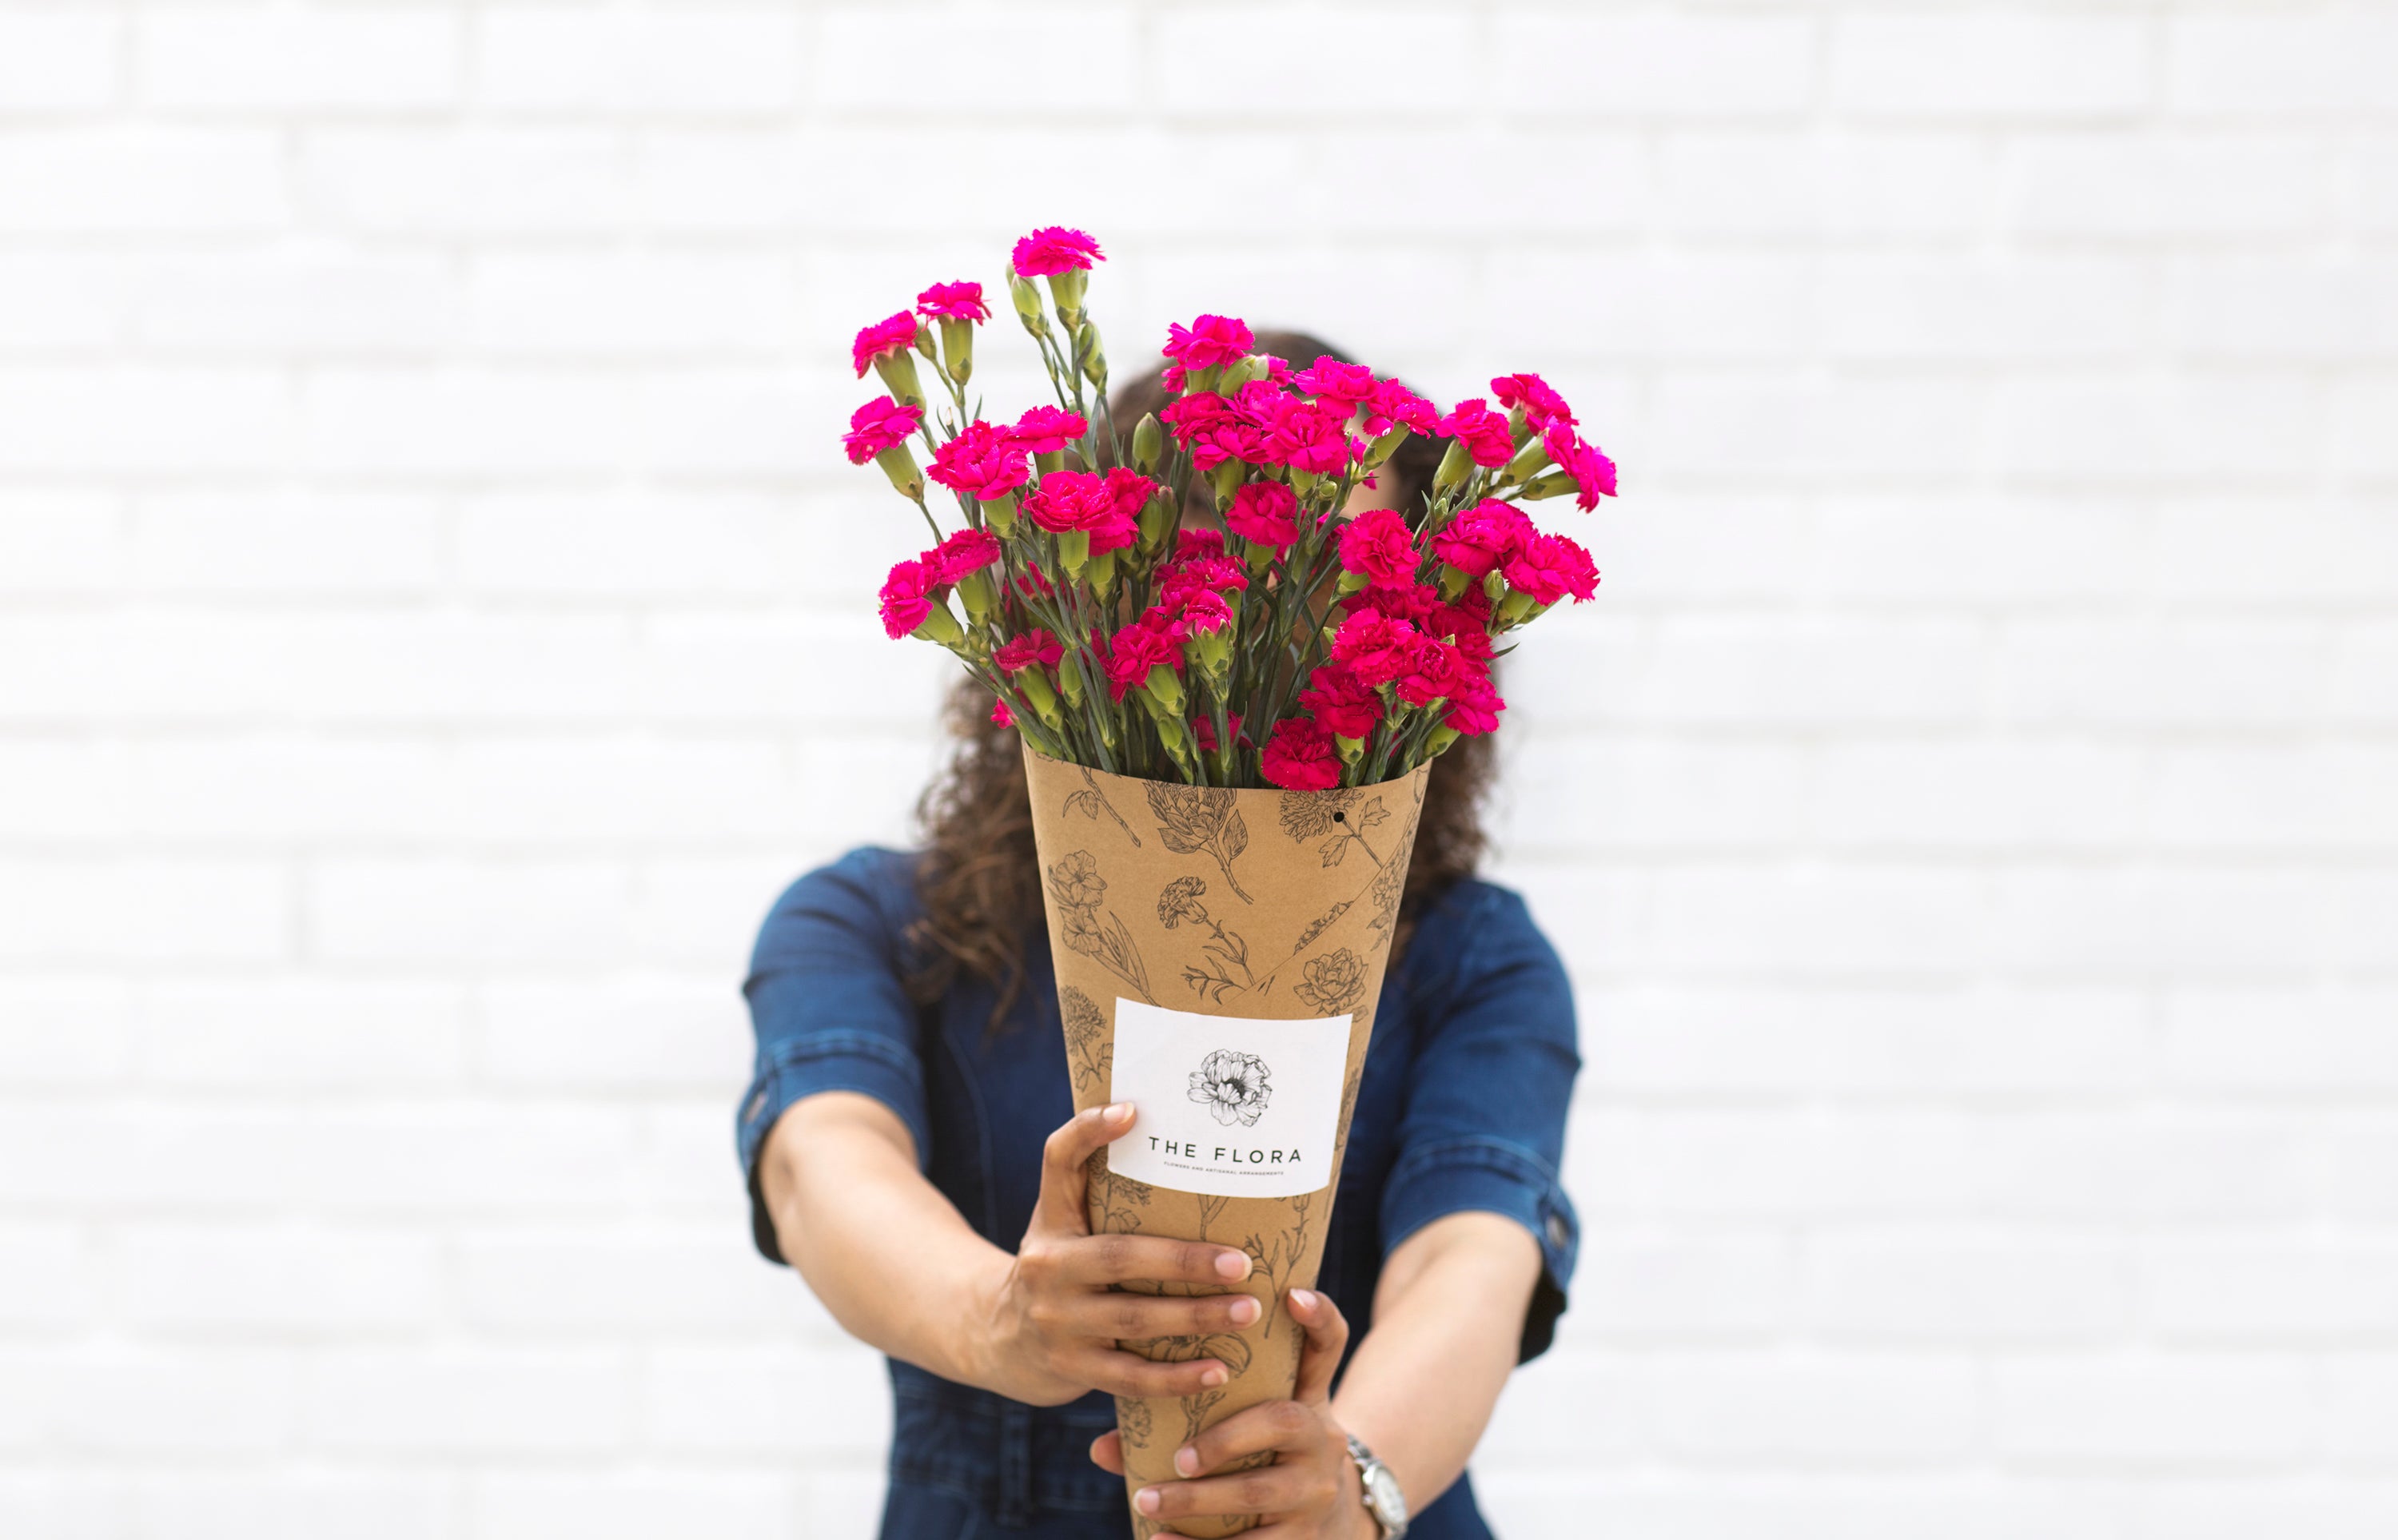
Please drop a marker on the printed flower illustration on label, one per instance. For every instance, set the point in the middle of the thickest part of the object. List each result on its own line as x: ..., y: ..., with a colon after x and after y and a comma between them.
x: 1233, y: 1086
x: 1257, y: 1118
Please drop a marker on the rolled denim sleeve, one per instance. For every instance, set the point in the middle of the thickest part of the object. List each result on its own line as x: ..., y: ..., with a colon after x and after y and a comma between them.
x: 1485, y: 1122
x: 830, y: 1007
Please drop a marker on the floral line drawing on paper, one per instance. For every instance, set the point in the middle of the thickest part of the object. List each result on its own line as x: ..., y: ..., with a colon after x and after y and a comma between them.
x: 1078, y: 889
x: 1276, y: 1260
x: 1233, y: 1087
x: 1212, y: 975
x: 1088, y: 1055
x: 1307, y: 816
x: 1333, y: 983
x: 1201, y: 821
x: 1091, y: 801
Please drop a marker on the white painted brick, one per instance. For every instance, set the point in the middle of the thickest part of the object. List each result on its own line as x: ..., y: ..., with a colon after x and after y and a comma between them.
x: 2375, y: 185
x: 553, y: 305
x: 1931, y: 1291
x: 1688, y: 308
x: 2242, y: 798
x: 1755, y: 1165
x: 63, y: 1031
x: 2272, y: 1293
x: 489, y: 180
x: 974, y: 64
x: 1778, y: 429
x: 2366, y: 448
x: 126, y: 1154
x: 181, y: 1278
x: 52, y: 61
x: 569, y: 58
x: 143, y: 910
x: 687, y: 543
x: 1663, y: 64
x: 2365, y: 1172
x: 2095, y: 1167
x: 1569, y: 1404
x: 740, y: 1505
x: 643, y: 1033
x: 1709, y: 670
x: 2245, y: 1042
x: 1914, y: 309
x: 49, y: 1273
x: 2203, y: 922
x: 63, y: 791
x: 768, y: 1398
x: 1989, y: 64
x: 2363, y: 1398
x: 132, y: 180
x: 1766, y: 182
x: 2217, y: 1413
x: 538, y: 1282
x: 1678, y: 1284
x: 57, y: 1506
x: 1890, y: 548
x: 249, y: 543
x: 2122, y: 183
x: 1841, y: 922
x: 2260, y: 1509
x: 1660, y: 793
x: 1208, y: 61
x: 1764, y: 1406
x: 261, y: 58
x: 59, y: 542
x: 2206, y: 673
x: 1902, y: 1042
x: 291, y: 1504
x: 2013, y: 795
x: 406, y: 910
x: 52, y: 305
x: 454, y: 1157
x: 515, y: 1401
x: 305, y: 300
x: 299, y: 1033
x: 2219, y: 551
x: 136, y: 419
x: 2294, y: 64
x: 2281, y: 309
x: 189, y: 1403
x: 2198, y: 430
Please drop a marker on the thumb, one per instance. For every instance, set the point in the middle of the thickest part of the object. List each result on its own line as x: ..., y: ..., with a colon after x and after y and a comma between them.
x: 1327, y: 1337
x: 1063, y: 1159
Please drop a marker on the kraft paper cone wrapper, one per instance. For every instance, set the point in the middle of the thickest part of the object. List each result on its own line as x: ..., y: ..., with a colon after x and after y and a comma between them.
x: 1218, y: 955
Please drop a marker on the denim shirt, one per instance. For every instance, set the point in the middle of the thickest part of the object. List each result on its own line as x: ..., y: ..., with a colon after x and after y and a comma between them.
x: 1463, y: 1107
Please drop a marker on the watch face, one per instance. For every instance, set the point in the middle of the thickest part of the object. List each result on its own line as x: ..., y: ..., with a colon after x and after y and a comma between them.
x: 1382, y: 1495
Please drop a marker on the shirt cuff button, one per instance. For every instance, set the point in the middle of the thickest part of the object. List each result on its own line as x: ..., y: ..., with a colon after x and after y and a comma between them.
x: 1558, y: 1233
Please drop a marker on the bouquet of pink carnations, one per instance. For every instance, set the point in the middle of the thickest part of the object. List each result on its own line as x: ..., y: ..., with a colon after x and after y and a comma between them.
x: 1292, y: 646
x: 1196, y: 639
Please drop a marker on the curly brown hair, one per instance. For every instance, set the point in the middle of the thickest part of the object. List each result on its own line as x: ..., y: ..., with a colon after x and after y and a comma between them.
x: 978, y: 879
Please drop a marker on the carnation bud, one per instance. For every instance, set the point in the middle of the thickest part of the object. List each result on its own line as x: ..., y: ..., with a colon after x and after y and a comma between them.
x: 1034, y: 685
x: 1227, y: 479
x: 941, y: 626
x: 1066, y: 288
x: 1092, y: 357
x: 1212, y: 650
x: 1027, y: 301
x: 1073, y: 549
x: 957, y: 350
x: 999, y: 513
x: 898, y: 372
x: 1380, y: 448
x: 1069, y: 683
x: 1351, y: 749
x: 1055, y: 459
x: 1147, y: 443
x: 1452, y: 582
x: 1101, y: 572
x: 1239, y: 372
x: 1519, y: 606
x: 1175, y: 736
x: 1556, y: 484
x: 1163, y: 688
x: 1455, y: 466
x: 1528, y: 461
x: 1157, y: 521
x: 1352, y: 583
x: 1303, y: 482
x: 1440, y: 739
x: 900, y: 466
x: 980, y: 594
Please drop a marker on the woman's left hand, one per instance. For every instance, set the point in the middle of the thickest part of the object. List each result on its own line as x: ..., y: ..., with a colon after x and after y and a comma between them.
x: 1311, y: 1490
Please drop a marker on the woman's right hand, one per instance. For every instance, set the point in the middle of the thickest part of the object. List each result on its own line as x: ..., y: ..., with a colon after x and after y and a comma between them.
x: 1052, y: 1324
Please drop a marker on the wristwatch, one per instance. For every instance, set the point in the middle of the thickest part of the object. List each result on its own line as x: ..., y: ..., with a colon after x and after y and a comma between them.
x: 1383, y: 1499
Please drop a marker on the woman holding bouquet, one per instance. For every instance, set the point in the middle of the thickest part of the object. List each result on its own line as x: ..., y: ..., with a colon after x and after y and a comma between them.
x: 912, y: 1150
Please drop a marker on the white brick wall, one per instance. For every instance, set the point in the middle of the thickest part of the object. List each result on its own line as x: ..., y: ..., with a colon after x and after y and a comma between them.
x: 433, y: 621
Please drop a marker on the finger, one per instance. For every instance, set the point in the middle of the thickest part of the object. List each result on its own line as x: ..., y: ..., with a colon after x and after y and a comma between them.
x: 1059, y: 1209
x: 1286, y: 1428
x: 1107, y: 1452
x: 1136, y: 1317
x: 1269, y: 1489
x: 1328, y: 1338
x: 1102, y: 1259
x: 1121, y: 1374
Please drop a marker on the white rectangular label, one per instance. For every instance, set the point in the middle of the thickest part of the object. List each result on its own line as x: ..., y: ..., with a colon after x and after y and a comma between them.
x: 1226, y: 1105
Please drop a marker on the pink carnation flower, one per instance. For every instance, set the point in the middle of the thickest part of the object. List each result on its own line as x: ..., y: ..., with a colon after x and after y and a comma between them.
x: 1379, y: 546
x: 967, y: 550
x: 883, y: 337
x: 1391, y: 405
x: 877, y: 425
x: 1542, y: 405
x: 999, y: 715
x: 1475, y: 708
x: 1054, y: 249
x: 1046, y: 430
x: 1373, y: 646
x: 1198, y: 543
x: 1266, y: 512
x: 1309, y: 435
x: 908, y: 597
x: 1482, y: 537
x: 958, y: 301
x: 1551, y: 567
x: 1341, y: 702
x: 1035, y: 648
x: 1081, y: 499
x: 1484, y: 432
x: 982, y: 461
x: 1593, y: 472
x: 1301, y: 756
x: 1130, y: 489
x: 1208, y: 341
x: 1437, y: 673
x: 1203, y: 731
x: 1331, y: 379
x: 1140, y: 647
